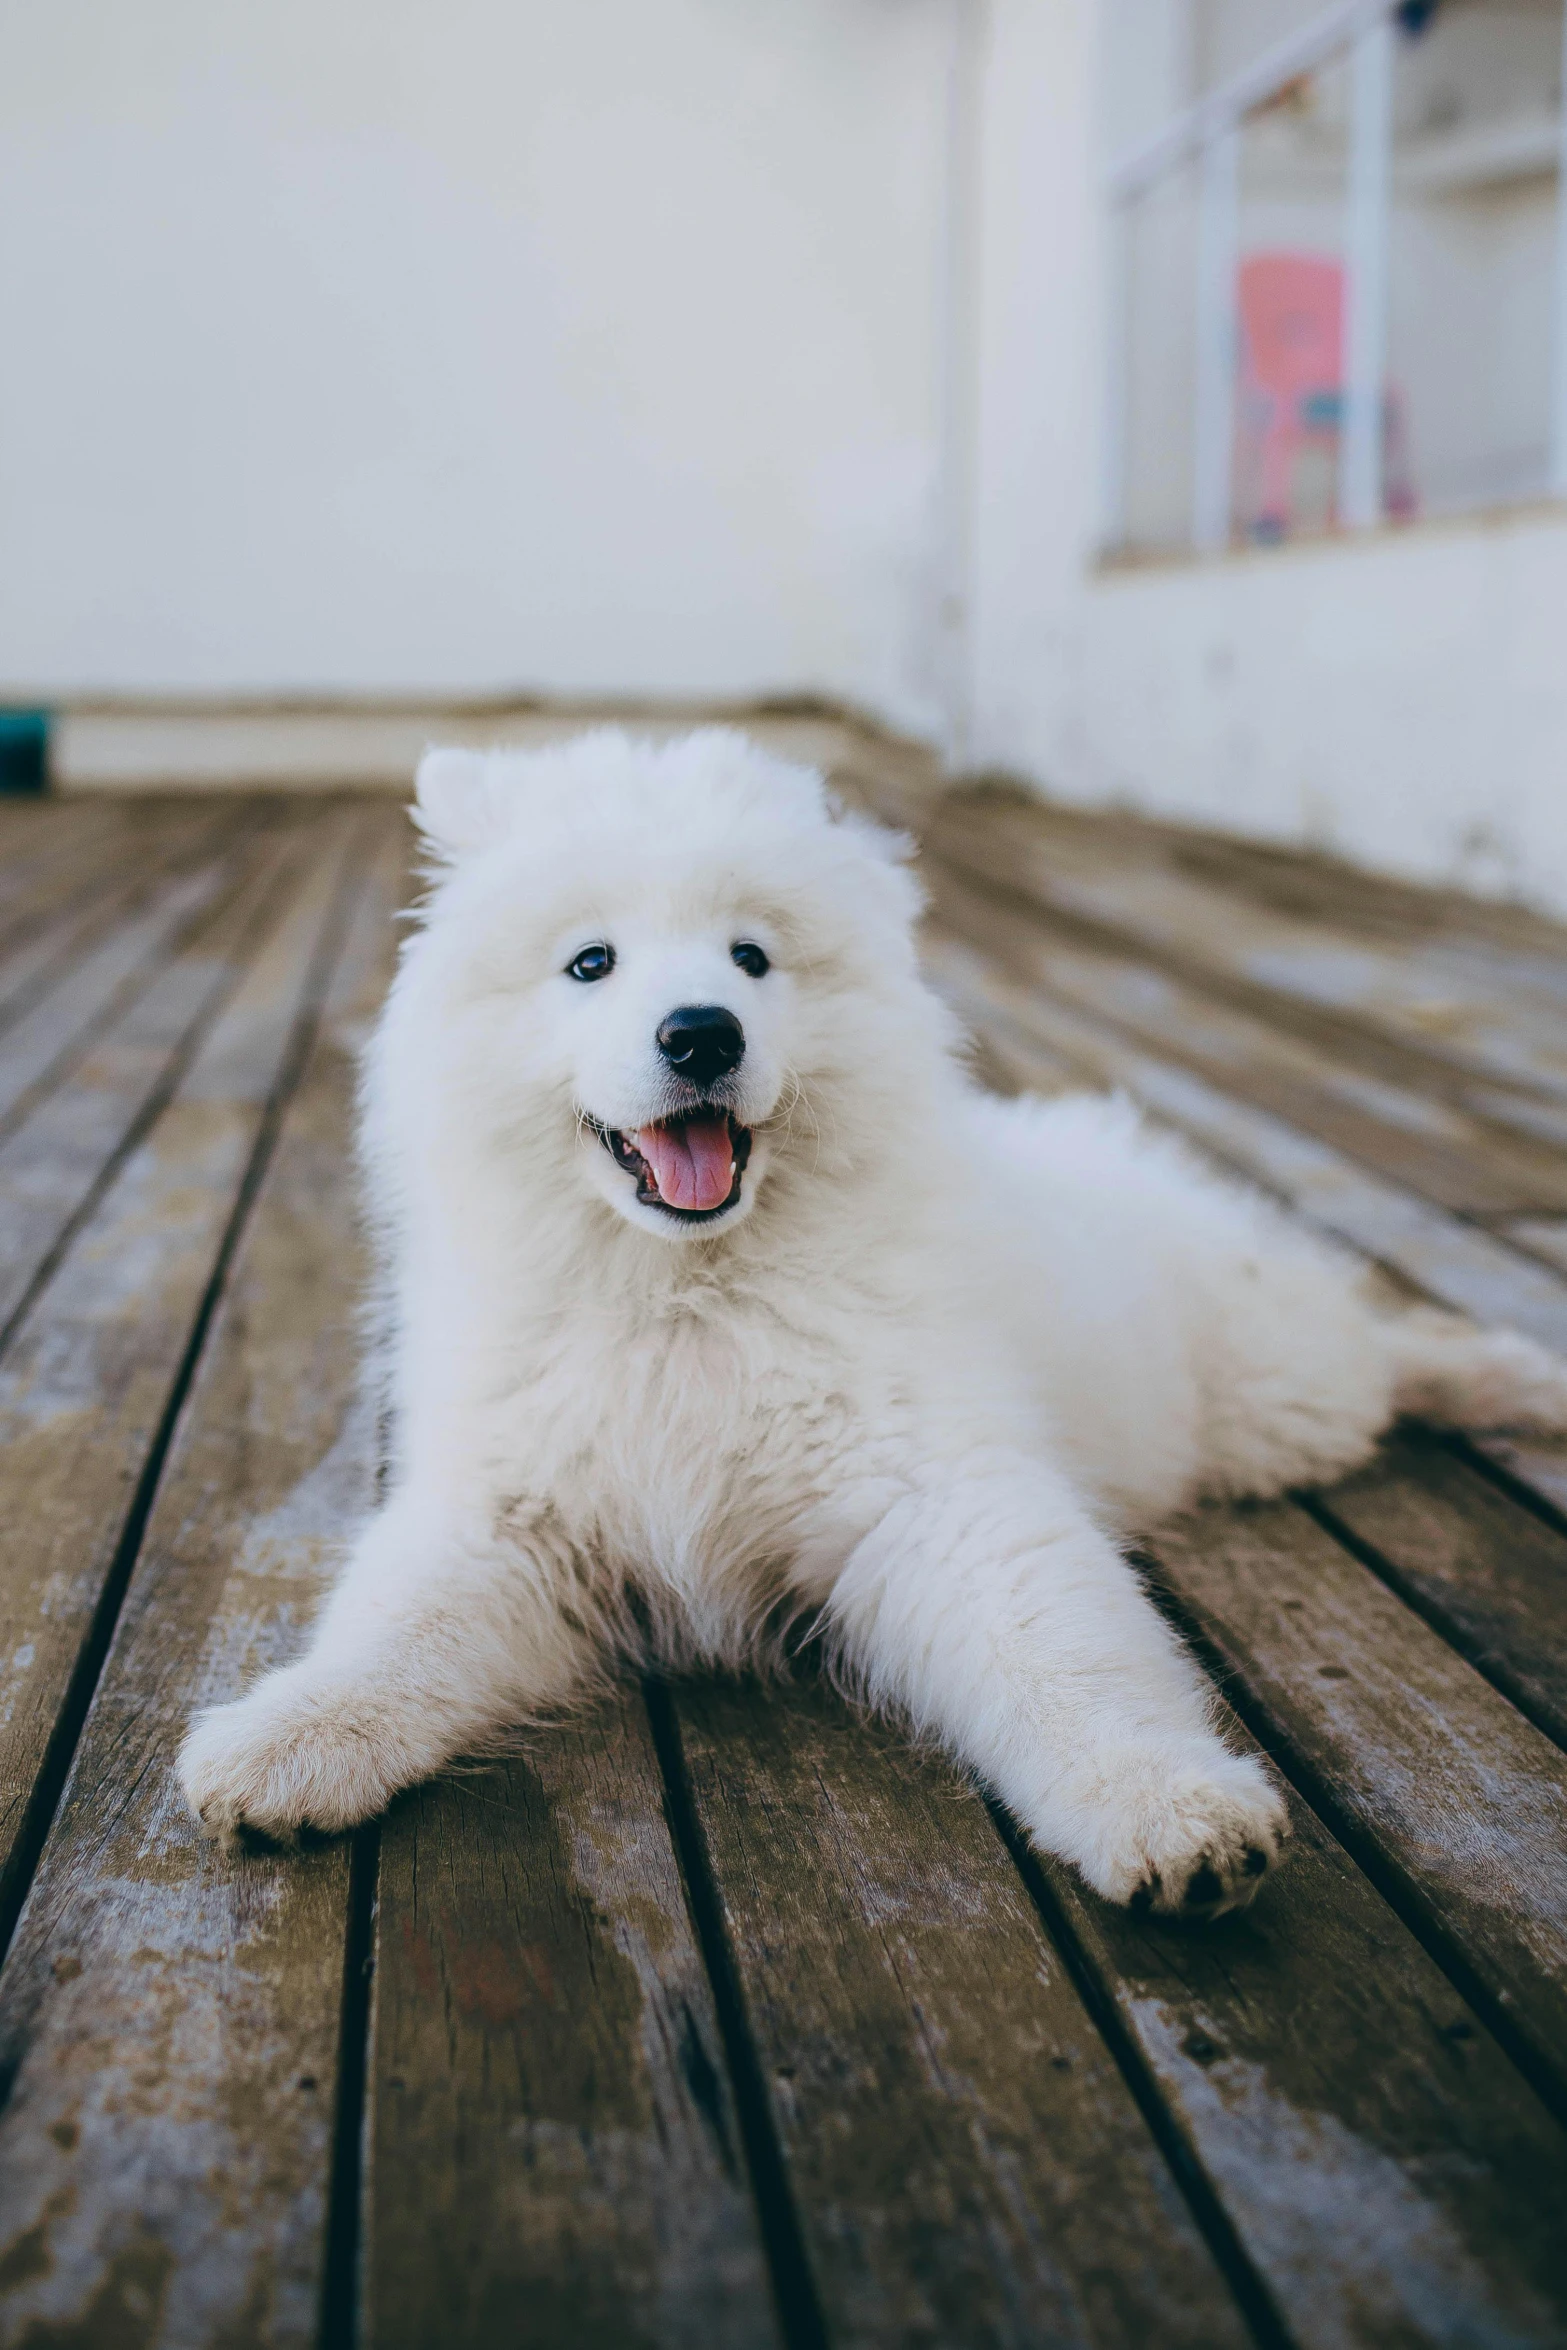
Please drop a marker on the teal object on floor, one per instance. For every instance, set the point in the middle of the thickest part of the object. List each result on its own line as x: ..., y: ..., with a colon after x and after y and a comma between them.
x: 24, y: 750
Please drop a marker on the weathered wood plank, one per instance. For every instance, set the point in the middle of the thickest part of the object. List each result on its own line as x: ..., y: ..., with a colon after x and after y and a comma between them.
x: 1535, y: 1466
x: 1434, y: 1147
x: 60, y: 851
x: 1487, y: 950
x: 1439, y: 1782
x: 1542, y: 1236
x: 554, y: 2151
x: 169, y: 2014
x: 1485, y: 1571
x: 1505, y: 946
x: 1520, y: 945
x: 38, y: 837
x: 1387, y: 2172
x: 113, y: 967
x: 52, y: 1162
x: 967, y: 2162
x: 86, y: 1382
x: 44, y: 945
x: 1382, y: 1006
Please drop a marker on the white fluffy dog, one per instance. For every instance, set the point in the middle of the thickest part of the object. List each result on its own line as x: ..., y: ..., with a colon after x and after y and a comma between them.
x: 711, y: 1279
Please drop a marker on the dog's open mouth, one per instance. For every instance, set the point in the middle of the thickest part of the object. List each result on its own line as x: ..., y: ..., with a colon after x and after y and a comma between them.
x: 691, y: 1166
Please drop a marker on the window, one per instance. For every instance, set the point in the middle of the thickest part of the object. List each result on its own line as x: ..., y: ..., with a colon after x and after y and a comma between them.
x: 1339, y: 270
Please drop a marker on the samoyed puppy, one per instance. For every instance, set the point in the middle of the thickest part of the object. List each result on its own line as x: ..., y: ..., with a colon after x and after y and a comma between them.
x: 717, y: 1297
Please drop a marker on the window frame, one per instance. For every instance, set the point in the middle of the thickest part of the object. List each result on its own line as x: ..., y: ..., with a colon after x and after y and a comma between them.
x: 1208, y: 132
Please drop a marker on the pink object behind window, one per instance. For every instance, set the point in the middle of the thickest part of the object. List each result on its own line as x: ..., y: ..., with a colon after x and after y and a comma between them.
x: 1291, y: 389
x: 1292, y: 369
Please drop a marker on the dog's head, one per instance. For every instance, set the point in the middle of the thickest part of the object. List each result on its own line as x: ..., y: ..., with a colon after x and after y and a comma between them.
x: 671, y: 970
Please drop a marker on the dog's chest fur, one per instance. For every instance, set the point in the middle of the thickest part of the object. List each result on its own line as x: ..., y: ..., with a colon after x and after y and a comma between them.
x: 702, y: 1440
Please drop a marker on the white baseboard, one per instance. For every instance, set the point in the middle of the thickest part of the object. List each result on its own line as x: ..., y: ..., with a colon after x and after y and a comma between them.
x: 168, y: 749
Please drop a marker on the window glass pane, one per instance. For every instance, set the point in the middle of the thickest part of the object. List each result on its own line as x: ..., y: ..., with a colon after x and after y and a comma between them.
x: 1289, y: 308
x: 1157, y: 235
x: 1476, y: 109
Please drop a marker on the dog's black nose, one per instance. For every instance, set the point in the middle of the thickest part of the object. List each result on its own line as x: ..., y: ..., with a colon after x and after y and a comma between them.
x: 701, y: 1041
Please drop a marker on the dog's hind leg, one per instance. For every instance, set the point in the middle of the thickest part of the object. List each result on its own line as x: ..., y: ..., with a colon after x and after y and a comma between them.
x: 1447, y: 1370
x: 989, y: 1609
x: 432, y: 1643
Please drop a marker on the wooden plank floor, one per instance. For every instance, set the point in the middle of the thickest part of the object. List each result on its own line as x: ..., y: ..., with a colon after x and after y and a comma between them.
x: 724, y: 2020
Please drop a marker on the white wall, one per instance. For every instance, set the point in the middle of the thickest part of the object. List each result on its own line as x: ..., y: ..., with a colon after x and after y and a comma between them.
x: 372, y: 346
x: 365, y: 347
x: 1400, y: 698
x: 1035, y: 467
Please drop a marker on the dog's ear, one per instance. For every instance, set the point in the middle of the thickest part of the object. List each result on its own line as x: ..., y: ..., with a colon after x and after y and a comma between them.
x: 458, y: 806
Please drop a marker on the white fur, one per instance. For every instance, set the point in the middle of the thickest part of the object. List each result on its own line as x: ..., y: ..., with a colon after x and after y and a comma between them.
x: 914, y: 1387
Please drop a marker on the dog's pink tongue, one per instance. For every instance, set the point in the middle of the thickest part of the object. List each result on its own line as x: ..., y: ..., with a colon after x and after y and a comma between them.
x: 693, y: 1163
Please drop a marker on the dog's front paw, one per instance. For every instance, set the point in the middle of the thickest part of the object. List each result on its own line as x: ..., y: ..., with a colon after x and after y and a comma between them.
x: 282, y: 1759
x: 1191, y: 1839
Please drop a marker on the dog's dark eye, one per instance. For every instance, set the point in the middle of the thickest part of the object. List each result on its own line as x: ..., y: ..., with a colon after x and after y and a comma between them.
x: 593, y: 963
x: 750, y: 958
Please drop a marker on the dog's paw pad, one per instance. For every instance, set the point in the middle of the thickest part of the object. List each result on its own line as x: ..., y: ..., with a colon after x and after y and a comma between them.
x: 1223, y: 1876
x: 1204, y: 1889
x: 1210, y: 1891
x: 1192, y: 1843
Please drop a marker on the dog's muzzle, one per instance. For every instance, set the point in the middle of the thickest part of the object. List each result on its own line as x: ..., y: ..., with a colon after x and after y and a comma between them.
x: 692, y: 1166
